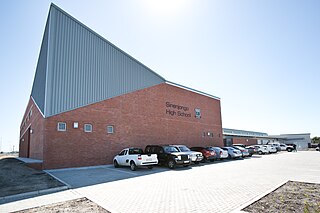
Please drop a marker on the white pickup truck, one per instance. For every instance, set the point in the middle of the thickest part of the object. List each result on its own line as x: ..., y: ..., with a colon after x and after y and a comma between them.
x: 134, y: 158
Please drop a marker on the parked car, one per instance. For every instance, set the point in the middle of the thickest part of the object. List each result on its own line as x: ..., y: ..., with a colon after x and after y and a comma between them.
x: 239, y: 144
x: 271, y: 149
x: 285, y: 147
x: 220, y: 153
x: 195, y: 156
x: 208, y: 154
x: 276, y: 145
x: 134, y: 158
x: 252, y: 150
x: 169, y: 155
x: 232, y: 153
x: 261, y: 149
x: 244, y: 151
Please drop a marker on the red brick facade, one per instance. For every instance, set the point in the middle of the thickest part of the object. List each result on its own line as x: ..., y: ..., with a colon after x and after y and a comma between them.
x: 32, y: 133
x: 245, y: 141
x: 148, y: 116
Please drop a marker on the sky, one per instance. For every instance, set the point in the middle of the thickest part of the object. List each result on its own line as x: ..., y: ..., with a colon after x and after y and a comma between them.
x: 261, y: 57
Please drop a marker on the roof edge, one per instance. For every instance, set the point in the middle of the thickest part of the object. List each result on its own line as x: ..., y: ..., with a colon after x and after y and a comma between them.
x: 192, y: 90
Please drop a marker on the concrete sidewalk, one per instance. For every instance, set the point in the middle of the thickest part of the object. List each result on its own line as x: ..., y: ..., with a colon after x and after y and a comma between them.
x: 215, y: 187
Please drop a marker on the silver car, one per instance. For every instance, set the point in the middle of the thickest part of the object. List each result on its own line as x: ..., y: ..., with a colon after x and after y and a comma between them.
x: 195, y: 157
x: 232, y: 152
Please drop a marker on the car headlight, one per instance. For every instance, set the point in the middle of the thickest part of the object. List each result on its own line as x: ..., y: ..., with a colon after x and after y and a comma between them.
x: 178, y: 157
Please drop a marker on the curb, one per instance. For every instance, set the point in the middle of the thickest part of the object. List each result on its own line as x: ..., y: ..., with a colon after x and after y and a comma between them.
x: 239, y: 209
x: 11, y: 198
x: 61, y: 181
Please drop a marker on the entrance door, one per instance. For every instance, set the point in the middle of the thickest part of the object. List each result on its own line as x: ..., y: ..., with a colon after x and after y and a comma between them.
x: 28, y: 142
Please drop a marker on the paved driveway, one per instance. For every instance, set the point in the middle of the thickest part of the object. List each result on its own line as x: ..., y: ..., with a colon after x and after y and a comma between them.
x: 215, y: 187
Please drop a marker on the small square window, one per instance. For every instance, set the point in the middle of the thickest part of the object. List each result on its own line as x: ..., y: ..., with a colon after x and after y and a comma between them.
x: 75, y: 125
x: 110, y: 130
x: 88, y: 127
x: 62, y: 126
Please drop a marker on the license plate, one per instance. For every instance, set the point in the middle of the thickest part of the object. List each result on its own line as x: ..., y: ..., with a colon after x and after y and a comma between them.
x: 149, y: 159
x: 186, y: 161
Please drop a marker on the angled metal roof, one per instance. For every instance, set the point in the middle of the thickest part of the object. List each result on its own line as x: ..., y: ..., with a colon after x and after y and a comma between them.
x: 77, y: 67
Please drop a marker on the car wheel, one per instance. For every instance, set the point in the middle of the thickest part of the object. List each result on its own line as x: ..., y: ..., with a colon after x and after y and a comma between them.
x: 289, y: 150
x: 185, y: 165
x: 260, y: 153
x: 115, y: 163
x: 211, y: 160
x: 196, y: 162
x: 133, y: 166
x: 171, y: 164
x: 150, y: 167
x: 229, y: 156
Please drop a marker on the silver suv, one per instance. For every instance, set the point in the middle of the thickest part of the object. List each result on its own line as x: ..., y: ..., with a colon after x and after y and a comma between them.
x: 195, y: 157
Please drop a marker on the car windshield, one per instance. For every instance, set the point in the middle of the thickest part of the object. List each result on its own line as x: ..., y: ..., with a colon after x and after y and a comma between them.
x: 210, y: 149
x: 238, y: 147
x: 170, y: 149
x: 184, y: 149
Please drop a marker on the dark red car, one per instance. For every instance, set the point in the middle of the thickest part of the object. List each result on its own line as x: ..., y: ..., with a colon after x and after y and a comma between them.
x: 208, y: 154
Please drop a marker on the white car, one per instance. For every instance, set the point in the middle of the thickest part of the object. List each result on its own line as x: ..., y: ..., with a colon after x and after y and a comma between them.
x: 285, y: 147
x: 134, y: 158
x: 196, y: 157
x: 232, y: 152
x: 261, y: 149
x: 271, y: 149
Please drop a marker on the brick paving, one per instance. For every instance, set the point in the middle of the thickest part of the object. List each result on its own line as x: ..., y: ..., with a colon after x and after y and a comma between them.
x: 215, y: 187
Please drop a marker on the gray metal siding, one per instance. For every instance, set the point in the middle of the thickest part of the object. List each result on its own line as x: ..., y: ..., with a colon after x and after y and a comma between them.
x: 84, y: 68
x: 38, y: 87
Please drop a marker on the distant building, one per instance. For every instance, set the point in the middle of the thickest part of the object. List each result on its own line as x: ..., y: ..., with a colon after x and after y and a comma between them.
x: 90, y: 99
x: 235, y: 136
x: 302, y: 141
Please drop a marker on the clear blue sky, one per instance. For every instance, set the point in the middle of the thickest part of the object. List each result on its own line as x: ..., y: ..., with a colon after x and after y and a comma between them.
x: 262, y: 58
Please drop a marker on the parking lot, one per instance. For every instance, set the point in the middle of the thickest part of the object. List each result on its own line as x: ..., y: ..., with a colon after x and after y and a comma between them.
x: 212, y: 187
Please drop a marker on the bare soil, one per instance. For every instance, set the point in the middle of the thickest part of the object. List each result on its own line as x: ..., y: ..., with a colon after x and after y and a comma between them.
x: 291, y: 197
x: 77, y: 205
x: 17, y: 178
x: 9, y: 154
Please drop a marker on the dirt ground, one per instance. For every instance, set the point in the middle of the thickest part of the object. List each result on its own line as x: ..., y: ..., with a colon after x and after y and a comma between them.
x: 17, y: 178
x: 290, y: 197
x: 10, y: 154
x: 78, y: 205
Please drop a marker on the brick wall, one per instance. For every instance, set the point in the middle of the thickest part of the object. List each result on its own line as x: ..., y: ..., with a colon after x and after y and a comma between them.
x: 139, y: 118
x: 32, y: 133
x: 245, y: 141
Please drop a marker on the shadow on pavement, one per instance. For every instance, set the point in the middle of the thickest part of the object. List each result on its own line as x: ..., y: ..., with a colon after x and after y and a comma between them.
x: 88, y: 176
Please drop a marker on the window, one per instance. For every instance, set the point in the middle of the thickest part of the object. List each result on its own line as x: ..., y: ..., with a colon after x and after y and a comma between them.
x: 62, y: 126
x: 110, y: 130
x: 87, y: 127
x: 135, y: 151
x: 122, y: 152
